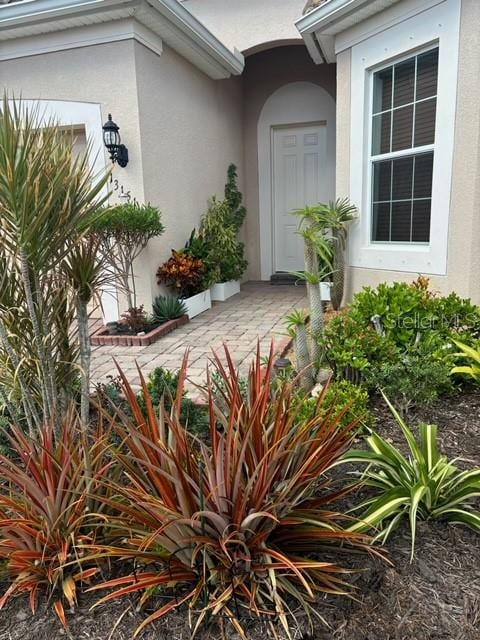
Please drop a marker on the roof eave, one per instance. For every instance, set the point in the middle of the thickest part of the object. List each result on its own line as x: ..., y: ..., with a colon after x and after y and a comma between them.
x: 319, y: 27
x: 179, y: 28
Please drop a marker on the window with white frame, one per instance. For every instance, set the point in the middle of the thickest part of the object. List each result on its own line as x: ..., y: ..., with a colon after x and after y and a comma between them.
x: 402, y: 149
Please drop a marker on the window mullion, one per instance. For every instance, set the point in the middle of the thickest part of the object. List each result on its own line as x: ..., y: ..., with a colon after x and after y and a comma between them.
x: 413, y: 193
x: 391, y: 110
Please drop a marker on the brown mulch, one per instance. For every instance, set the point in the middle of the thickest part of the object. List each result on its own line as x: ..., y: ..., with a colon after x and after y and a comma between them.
x: 437, y: 597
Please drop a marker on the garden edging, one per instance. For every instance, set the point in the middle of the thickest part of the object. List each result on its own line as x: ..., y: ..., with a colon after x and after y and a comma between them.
x: 101, y: 337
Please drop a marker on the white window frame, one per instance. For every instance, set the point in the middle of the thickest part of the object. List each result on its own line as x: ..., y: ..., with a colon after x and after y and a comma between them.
x: 436, y: 26
x: 403, y: 153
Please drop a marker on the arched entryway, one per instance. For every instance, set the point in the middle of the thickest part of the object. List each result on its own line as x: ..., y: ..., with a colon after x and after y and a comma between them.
x: 289, y: 152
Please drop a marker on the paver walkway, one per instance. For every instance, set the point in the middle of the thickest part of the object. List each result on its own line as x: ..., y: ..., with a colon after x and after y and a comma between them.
x: 255, y: 314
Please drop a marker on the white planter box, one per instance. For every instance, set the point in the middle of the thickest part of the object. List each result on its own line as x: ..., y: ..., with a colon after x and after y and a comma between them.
x: 198, y: 303
x: 325, y: 291
x: 224, y: 290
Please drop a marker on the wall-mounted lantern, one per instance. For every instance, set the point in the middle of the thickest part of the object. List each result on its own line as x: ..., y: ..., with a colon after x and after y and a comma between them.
x: 111, y: 138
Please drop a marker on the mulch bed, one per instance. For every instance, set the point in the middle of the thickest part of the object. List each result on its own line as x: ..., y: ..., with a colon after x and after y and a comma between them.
x: 437, y: 597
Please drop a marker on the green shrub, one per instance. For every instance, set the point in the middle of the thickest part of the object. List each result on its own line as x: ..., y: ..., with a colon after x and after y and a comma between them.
x: 426, y: 485
x: 342, y: 398
x: 162, y: 387
x: 409, y: 311
x: 234, y: 198
x: 224, y: 252
x: 168, y: 308
x: 350, y: 344
x: 399, y: 337
x: 417, y: 377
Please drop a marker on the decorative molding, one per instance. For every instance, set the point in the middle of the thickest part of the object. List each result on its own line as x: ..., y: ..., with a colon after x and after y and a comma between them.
x: 89, y: 35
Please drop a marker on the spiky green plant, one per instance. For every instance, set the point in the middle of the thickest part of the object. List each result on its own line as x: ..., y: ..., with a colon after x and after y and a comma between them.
x: 238, y: 526
x: 168, y: 308
x: 425, y: 485
x: 472, y: 355
x: 48, y: 197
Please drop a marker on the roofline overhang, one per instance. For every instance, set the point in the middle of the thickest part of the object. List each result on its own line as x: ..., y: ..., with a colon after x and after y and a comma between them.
x: 171, y: 21
x: 318, y: 27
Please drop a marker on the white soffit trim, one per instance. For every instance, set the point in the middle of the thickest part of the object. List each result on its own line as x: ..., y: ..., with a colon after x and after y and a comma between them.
x: 167, y: 19
x: 319, y: 27
x: 91, y: 34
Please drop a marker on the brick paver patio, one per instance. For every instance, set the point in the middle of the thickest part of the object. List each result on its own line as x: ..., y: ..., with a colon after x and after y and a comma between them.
x: 255, y: 314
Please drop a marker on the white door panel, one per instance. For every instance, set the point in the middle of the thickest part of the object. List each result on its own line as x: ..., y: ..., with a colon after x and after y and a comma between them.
x: 299, y: 179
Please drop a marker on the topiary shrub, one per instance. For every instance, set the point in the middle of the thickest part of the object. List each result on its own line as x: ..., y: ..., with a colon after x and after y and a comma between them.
x: 224, y: 252
x: 124, y: 231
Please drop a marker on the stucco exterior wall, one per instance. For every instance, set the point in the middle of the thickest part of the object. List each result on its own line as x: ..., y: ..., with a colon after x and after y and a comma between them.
x: 70, y: 75
x: 190, y: 131
x: 249, y: 24
x: 463, y: 264
x: 182, y: 129
x: 264, y: 73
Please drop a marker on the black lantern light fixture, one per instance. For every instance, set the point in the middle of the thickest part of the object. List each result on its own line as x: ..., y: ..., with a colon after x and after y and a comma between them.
x: 111, y: 138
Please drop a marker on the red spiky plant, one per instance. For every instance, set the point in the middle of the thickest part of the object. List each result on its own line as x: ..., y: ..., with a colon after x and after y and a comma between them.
x: 240, y: 524
x: 48, y: 510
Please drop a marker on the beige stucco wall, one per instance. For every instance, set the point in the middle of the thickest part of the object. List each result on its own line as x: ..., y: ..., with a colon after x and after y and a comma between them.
x: 463, y: 266
x: 264, y: 73
x: 249, y: 24
x: 70, y: 75
x: 190, y: 131
x: 182, y: 128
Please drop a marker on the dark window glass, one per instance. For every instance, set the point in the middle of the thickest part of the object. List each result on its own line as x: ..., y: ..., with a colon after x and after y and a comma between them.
x: 421, y: 220
x: 381, y: 222
x: 425, y: 113
x: 382, y: 90
x: 401, y: 218
x: 404, y: 115
x: 382, y: 180
x: 404, y: 83
x: 381, y: 133
x: 427, y: 74
x: 402, y: 128
x: 423, y: 175
x: 402, y: 178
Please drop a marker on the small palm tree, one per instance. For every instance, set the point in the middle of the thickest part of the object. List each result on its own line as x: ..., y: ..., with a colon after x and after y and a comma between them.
x: 297, y: 329
x: 335, y: 218
x: 318, y: 264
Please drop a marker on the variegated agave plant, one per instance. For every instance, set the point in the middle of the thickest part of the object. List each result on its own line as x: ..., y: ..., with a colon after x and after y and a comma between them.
x: 425, y: 485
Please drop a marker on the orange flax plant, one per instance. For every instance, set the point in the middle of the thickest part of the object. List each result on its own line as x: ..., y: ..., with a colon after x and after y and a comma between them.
x: 46, y: 517
x: 240, y: 524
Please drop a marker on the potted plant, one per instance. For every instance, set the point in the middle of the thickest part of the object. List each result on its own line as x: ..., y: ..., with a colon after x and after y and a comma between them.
x: 219, y: 228
x: 185, y: 274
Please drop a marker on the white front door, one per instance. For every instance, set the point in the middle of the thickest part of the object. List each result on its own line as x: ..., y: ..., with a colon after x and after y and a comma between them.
x: 299, y: 178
